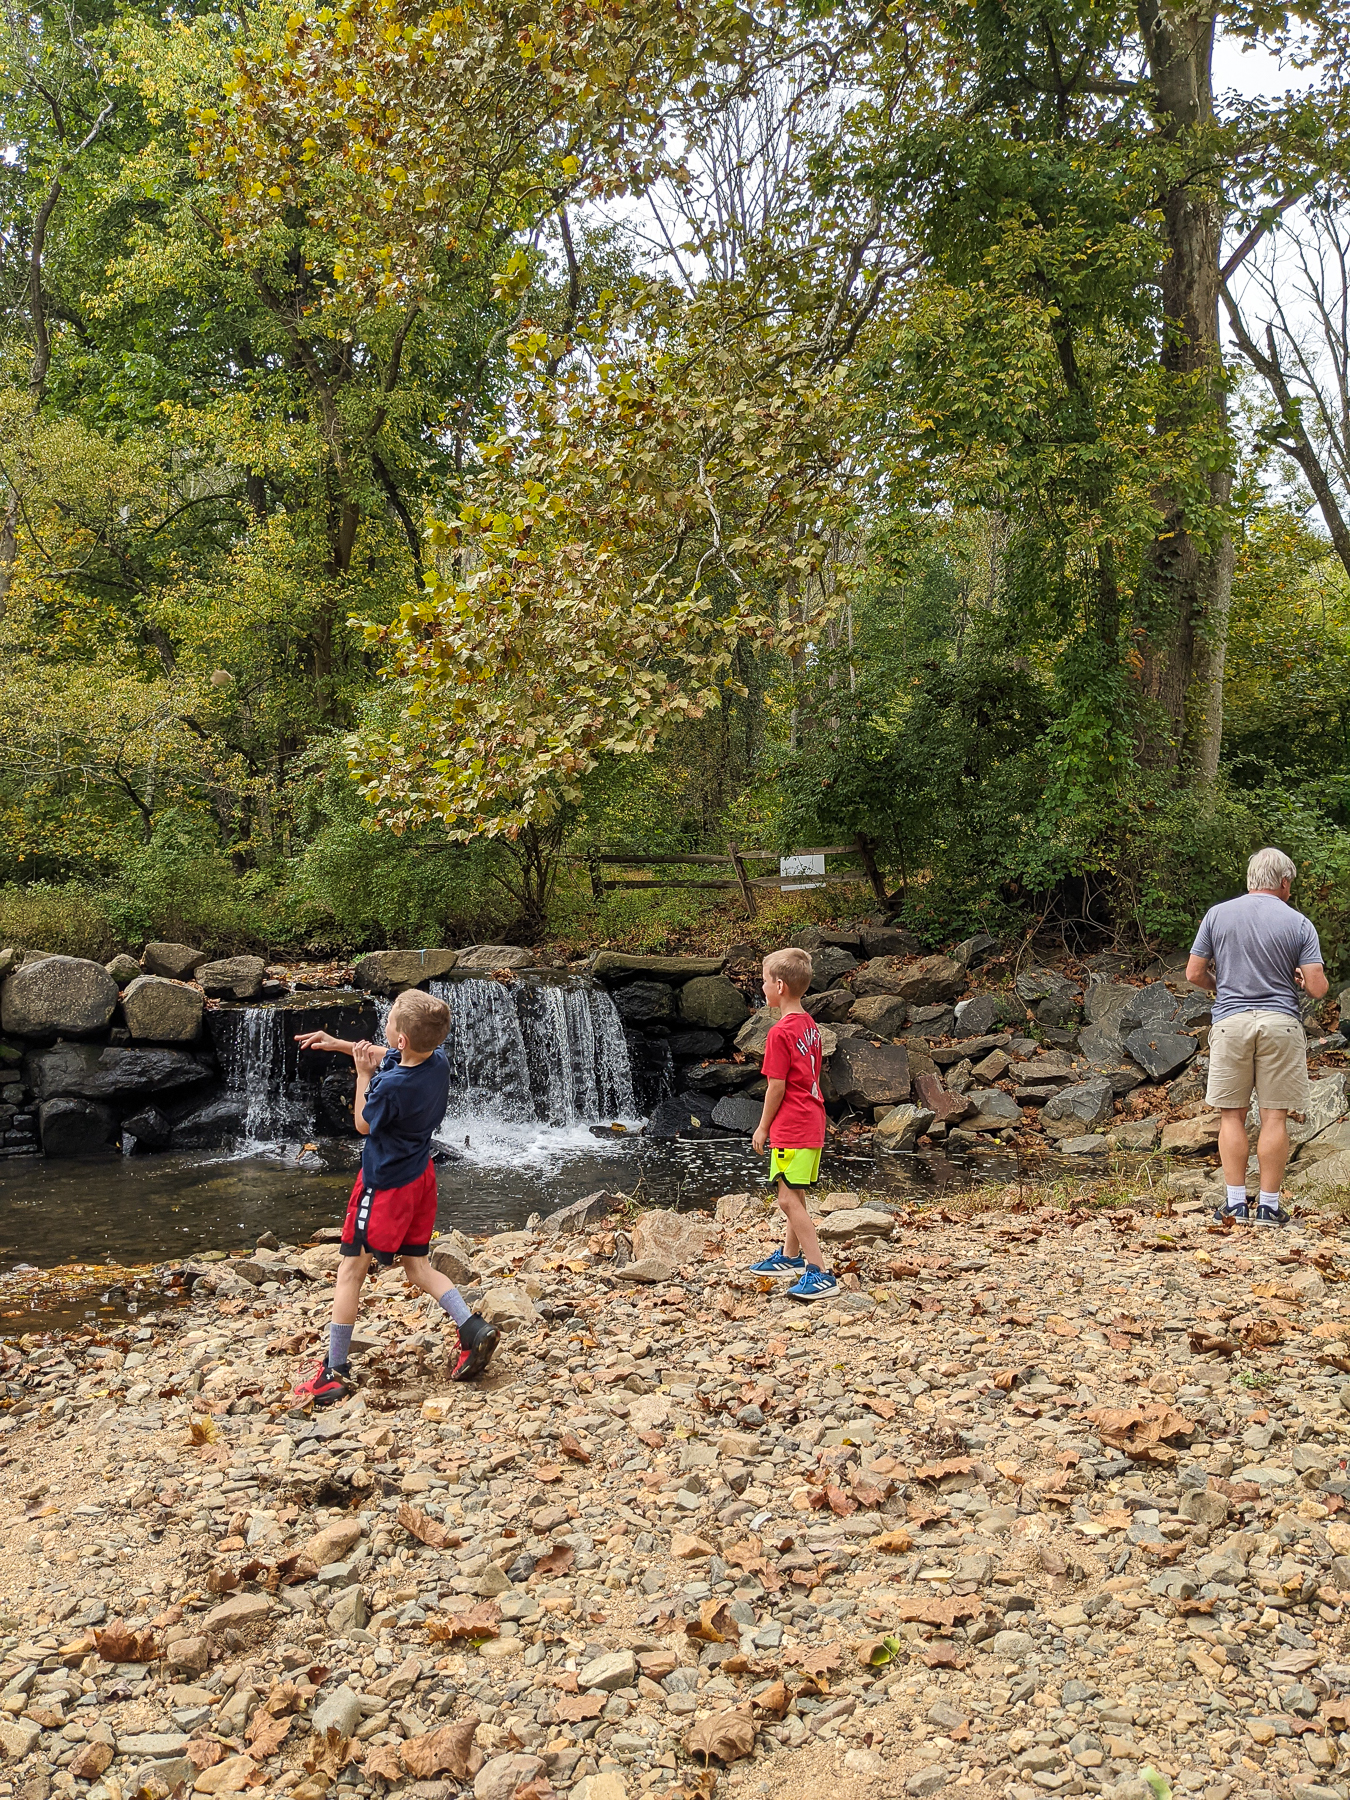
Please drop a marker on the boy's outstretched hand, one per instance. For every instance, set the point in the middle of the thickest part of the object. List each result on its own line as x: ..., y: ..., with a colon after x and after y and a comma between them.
x: 320, y: 1040
x: 368, y: 1056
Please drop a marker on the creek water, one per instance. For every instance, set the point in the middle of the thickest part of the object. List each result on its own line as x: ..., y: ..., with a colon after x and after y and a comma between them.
x: 542, y: 1111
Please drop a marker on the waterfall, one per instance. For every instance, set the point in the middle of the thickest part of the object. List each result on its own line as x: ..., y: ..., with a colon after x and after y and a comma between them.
x: 253, y: 1060
x: 530, y: 1054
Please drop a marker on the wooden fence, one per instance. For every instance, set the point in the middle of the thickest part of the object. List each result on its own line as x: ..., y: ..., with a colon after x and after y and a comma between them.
x: 736, y: 859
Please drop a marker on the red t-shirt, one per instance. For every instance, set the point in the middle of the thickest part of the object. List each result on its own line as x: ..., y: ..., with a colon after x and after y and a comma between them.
x: 792, y: 1054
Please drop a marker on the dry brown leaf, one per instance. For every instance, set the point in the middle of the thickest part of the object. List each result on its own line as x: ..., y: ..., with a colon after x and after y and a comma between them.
x: 726, y: 1735
x: 944, y: 1612
x: 448, y: 1751
x: 839, y: 1502
x: 481, y: 1621
x: 328, y: 1755
x: 547, y: 1472
x: 942, y: 1654
x: 118, y: 1644
x: 266, y: 1735
x: 956, y: 1465
x: 814, y: 1660
x: 714, y: 1624
x: 572, y: 1708
x: 284, y: 1698
x: 556, y: 1561
x: 426, y: 1530
x: 774, y: 1701
x: 884, y: 1409
x: 1203, y: 1343
x: 1277, y: 1290
x: 1141, y: 1431
x: 384, y: 1762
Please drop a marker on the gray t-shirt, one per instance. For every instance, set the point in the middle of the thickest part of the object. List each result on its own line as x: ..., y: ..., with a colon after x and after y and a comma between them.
x: 1256, y: 942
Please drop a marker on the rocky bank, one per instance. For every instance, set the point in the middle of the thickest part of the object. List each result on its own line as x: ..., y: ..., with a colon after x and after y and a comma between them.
x: 1043, y: 1503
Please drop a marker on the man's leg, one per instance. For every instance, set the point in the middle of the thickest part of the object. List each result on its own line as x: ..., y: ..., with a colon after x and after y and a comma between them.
x: 1272, y: 1149
x: 1233, y: 1146
x: 801, y: 1236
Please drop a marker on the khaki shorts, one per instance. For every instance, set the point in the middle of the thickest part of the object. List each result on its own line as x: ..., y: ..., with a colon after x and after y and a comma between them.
x: 1265, y: 1050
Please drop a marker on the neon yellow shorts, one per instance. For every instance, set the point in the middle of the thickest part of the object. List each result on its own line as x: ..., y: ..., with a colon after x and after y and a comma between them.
x: 798, y: 1168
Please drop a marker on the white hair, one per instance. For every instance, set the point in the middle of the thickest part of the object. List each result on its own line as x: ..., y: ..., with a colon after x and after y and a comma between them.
x: 1268, y: 868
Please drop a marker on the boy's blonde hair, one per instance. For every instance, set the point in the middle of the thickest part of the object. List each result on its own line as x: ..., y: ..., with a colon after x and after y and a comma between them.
x: 422, y: 1018
x: 792, y: 968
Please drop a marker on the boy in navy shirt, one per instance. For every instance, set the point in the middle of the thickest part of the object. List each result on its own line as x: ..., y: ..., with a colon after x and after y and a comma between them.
x: 401, y: 1096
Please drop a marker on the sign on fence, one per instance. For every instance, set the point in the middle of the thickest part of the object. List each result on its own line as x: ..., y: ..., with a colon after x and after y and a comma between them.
x: 801, y: 865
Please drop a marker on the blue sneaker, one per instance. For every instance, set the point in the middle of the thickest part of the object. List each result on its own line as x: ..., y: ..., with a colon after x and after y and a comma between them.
x: 815, y: 1284
x: 1239, y: 1214
x: 779, y: 1264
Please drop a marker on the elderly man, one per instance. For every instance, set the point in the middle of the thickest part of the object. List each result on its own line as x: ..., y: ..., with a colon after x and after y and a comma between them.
x: 1257, y: 952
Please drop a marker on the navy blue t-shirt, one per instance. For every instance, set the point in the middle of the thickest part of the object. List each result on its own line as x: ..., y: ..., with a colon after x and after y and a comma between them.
x: 403, y: 1108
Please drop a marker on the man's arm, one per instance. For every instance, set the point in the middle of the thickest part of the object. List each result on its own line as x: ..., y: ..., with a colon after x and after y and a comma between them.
x: 1200, y: 972
x: 1312, y: 978
x: 773, y: 1099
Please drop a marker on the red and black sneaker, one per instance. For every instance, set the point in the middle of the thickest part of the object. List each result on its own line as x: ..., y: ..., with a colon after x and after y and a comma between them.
x: 325, y: 1385
x: 477, y: 1341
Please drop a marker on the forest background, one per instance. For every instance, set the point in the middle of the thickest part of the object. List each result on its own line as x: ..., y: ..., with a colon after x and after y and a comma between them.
x: 439, y: 444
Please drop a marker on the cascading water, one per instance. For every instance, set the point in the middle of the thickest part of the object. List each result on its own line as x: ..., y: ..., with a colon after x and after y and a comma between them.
x: 533, y: 1065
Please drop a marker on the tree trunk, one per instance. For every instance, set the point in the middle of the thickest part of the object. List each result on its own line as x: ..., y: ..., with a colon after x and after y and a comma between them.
x: 1189, y: 578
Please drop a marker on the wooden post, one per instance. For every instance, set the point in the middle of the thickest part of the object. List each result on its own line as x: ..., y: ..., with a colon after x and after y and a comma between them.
x: 747, y: 892
x: 869, y: 863
x: 597, y: 880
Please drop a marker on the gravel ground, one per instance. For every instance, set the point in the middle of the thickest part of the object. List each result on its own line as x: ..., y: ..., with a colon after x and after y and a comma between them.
x: 1045, y: 1502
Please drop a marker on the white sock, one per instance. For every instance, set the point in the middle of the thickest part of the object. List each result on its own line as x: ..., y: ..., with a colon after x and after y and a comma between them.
x: 1237, y: 1195
x: 1268, y: 1202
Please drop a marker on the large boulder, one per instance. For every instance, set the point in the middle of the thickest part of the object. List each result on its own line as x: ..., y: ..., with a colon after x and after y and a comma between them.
x: 583, y: 1214
x: 612, y: 967
x: 671, y: 1237
x: 714, y: 1003
x: 70, y: 1127
x: 177, y: 962
x: 997, y: 1111
x: 495, y: 956
x: 882, y: 1013
x: 122, y: 968
x: 832, y: 1007
x: 863, y: 1075
x: 162, y: 1012
x: 902, y: 1128
x: 232, y: 978
x: 721, y: 1077
x: 645, y: 1002
x: 888, y: 940
x: 1160, y: 1053
x: 739, y: 1113
x: 1043, y: 984
x: 59, y: 994
x: 150, y: 1127
x: 693, y: 1046
x: 111, y: 1071
x: 814, y: 938
x: 1191, y: 1137
x: 922, y: 983
x: 1326, y: 1104
x: 1330, y: 1175
x: 211, y: 1125
x: 683, y: 1115
x: 828, y: 964
x: 1076, y: 1110
x: 984, y: 1013
x: 389, y: 972
x: 754, y: 1034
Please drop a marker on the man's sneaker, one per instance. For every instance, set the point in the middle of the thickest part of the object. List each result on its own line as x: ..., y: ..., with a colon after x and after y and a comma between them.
x: 325, y: 1385
x: 1237, y: 1215
x: 477, y: 1341
x: 779, y: 1264
x: 815, y: 1284
x: 1272, y: 1215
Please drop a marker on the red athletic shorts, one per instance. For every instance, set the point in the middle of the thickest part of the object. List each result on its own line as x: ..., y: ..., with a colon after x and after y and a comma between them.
x: 390, y: 1222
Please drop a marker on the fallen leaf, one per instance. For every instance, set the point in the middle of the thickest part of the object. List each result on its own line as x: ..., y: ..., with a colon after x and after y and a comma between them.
x: 941, y: 1654
x: 884, y: 1409
x: 839, y: 1502
x: 481, y: 1621
x: 426, y: 1530
x: 877, y: 1652
x: 328, y: 1755
x: 284, y: 1698
x: 266, y: 1735
x: 444, y: 1752
x: 1203, y: 1343
x: 726, y: 1735
x: 118, y: 1644
x: 572, y: 1708
x: 384, y: 1762
x: 957, y: 1465
x: 714, y: 1624
x: 774, y: 1701
x: 1141, y: 1431
x: 555, y: 1561
x: 547, y: 1472
x: 815, y: 1660
x: 944, y: 1612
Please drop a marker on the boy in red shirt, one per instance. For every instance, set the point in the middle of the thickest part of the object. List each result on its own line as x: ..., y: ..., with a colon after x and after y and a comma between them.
x: 793, y: 1122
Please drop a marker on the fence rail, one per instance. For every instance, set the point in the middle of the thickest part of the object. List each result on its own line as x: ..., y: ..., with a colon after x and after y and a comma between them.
x: 736, y: 858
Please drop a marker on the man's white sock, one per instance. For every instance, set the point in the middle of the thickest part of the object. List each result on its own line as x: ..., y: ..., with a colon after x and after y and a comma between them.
x: 1237, y: 1195
x: 1268, y: 1202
